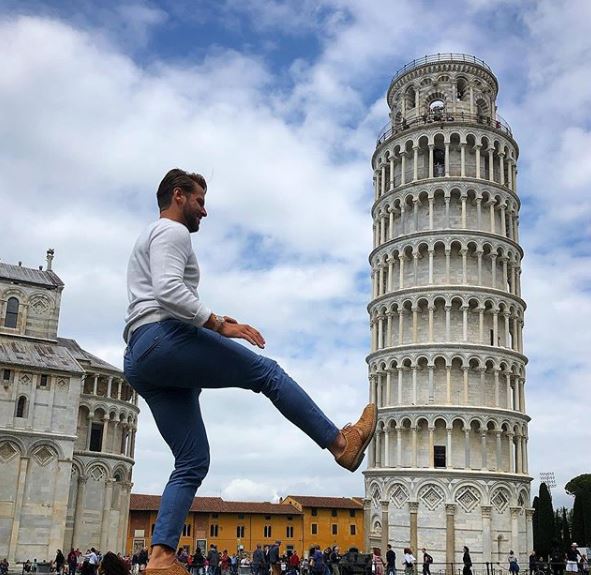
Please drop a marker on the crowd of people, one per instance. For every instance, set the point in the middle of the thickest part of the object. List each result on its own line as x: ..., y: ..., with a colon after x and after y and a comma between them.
x: 270, y: 560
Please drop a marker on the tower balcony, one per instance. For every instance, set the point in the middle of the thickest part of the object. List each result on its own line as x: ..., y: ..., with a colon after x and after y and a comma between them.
x: 441, y: 117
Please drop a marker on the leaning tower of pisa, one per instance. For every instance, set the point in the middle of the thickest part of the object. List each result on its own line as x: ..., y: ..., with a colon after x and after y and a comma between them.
x: 448, y: 464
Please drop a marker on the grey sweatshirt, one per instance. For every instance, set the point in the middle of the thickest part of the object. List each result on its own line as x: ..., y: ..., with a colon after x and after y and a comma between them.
x: 162, y: 278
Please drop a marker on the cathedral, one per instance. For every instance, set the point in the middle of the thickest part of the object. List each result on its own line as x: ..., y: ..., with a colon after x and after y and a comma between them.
x: 68, y: 421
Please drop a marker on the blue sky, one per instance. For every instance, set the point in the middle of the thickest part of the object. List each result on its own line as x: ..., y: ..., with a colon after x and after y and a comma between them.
x: 279, y: 104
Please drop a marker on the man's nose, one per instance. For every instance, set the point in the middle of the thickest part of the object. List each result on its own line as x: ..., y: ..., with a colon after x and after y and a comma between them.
x: 203, y: 213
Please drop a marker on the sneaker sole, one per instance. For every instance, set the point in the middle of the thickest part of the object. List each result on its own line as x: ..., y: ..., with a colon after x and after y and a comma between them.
x: 367, y: 441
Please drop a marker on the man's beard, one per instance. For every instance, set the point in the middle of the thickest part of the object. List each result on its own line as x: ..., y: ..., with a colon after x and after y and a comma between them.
x: 192, y: 220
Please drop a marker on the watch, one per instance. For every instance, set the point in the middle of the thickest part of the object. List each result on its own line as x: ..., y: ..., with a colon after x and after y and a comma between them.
x: 219, y: 320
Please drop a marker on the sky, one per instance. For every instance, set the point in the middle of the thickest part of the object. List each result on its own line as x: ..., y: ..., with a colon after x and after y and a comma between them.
x: 278, y: 104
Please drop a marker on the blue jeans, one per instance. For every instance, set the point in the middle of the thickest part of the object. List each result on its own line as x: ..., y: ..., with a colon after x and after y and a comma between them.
x: 168, y: 363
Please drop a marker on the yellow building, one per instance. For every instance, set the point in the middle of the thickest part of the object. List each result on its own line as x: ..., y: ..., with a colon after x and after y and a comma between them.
x: 329, y: 521
x: 297, y: 521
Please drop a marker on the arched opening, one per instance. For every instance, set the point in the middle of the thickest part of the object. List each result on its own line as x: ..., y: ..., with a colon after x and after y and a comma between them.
x: 461, y: 89
x: 12, y: 306
x: 21, y: 407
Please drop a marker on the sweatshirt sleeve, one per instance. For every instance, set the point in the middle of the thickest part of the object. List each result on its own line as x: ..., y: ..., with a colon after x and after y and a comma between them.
x: 170, y: 247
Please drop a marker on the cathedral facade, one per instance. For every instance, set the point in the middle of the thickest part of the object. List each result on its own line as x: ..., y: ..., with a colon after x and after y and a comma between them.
x: 67, y: 429
x: 448, y: 465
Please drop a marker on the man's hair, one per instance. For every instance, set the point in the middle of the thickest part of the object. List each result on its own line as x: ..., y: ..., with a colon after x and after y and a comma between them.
x: 177, y: 178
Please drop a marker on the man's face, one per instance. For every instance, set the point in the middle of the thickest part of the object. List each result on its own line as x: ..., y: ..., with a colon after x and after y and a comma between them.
x: 194, y: 208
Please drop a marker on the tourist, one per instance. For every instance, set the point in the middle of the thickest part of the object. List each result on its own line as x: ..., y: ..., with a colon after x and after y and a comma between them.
x: 584, y: 565
x: 258, y: 561
x: 92, y: 557
x: 408, y: 561
x: 427, y: 560
x: 59, y: 562
x: 377, y: 561
x: 4, y: 565
x: 467, y: 560
x: 72, y: 560
x: 198, y: 563
x: 573, y: 556
x: 274, y: 558
x: 533, y: 562
x: 225, y: 562
x: 112, y: 565
x: 142, y: 559
x: 390, y: 561
x: 318, y: 567
x: 513, y: 563
x: 335, y: 559
x: 294, y: 561
x: 213, y: 560
x: 176, y: 347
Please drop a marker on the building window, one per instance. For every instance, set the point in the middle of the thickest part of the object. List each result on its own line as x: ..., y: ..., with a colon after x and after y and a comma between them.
x: 289, y: 532
x: 314, y: 512
x: 96, y: 437
x: 240, y: 531
x: 492, y: 336
x: 333, y: 513
x: 11, y: 319
x: 335, y: 529
x: 439, y: 456
x: 43, y: 380
x: 186, y: 530
x: 267, y: 531
x: 351, y: 512
x: 240, y: 515
x: 6, y: 374
x: 213, y: 530
x: 21, y: 407
x: 353, y: 529
x: 314, y: 527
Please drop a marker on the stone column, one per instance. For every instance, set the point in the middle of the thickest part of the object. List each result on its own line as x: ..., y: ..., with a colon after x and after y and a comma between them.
x: 385, y: 526
x: 446, y: 170
x: 126, y: 494
x: 95, y: 385
x: 498, y: 451
x: 413, y: 508
x: 89, y: 421
x: 491, y: 166
x: 414, y: 445
x: 431, y: 447
x: 105, y: 435
x: 106, y: 518
x: 477, y: 149
x: 448, y: 461
x: 79, y: 512
x: 463, y: 160
x: 366, y: 522
x: 398, y: 447
x: 415, y: 164
x: 386, y: 446
x: 467, y: 448
x: 403, y: 168
x: 515, y: 511
x: 18, y: 505
x: 450, y: 537
x: 115, y: 425
x: 484, y: 450
x: 529, y: 534
x: 431, y: 146
x: 486, y: 533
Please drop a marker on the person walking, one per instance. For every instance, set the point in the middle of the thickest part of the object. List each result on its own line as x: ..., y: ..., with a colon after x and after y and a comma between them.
x: 59, y: 561
x: 409, y: 561
x: 427, y: 560
x: 72, y: 560
x: 258, y: 561
x: 377, y: 561
x: 390, y: 561
x: 213, y: 560
x: 335, y: 559
x: 573, y: 556
x: 198, y: 563
x: 513, y: 563
x: 275, y: 558
x: 176, y: 347
x: 467, y: 560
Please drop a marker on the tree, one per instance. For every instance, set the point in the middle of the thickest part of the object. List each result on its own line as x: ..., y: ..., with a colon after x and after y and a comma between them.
x: 580, y: 487
x: 535, y: 523
x: 546, y: 523
x: 566, y: 540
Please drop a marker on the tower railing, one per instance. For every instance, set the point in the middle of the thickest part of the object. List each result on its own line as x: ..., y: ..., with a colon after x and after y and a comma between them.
x: 440, y: 57
x: 497, y: 123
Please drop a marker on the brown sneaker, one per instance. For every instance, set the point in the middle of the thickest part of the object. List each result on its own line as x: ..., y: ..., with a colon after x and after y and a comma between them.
x: 358, y: 437
x: 175, y: 569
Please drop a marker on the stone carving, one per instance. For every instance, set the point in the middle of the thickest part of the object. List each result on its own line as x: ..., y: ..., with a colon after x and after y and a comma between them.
x: 431, y: 496
x: 468, y: 498
x: 43, y: 455
x: 26, y: 378
x: 40, y: 305
x: 500, y: 500
x: 7, y: 451
x: 399, y: 496
x: 98, y: 474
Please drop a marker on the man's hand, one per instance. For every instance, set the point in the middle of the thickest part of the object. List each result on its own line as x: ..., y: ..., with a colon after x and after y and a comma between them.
x: 231, y: 328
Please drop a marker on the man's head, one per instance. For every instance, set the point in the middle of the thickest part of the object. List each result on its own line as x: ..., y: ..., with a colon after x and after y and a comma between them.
x: 389, y: 546
x: 181, y: 196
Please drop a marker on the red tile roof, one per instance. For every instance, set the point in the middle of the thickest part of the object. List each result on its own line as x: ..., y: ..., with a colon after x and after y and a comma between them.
x: 332, y: 502
x: 140, y: 502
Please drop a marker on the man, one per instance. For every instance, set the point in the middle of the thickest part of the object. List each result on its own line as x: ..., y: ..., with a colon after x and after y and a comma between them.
x: 275, y: 558
x: 258, y: 561
x: 294, y: 561
x: 213, y: 560
x: 93, y: 559
x: 573, y: 556
x: 176, y: 346
x: 427, y: 560
x: 390, y: 561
